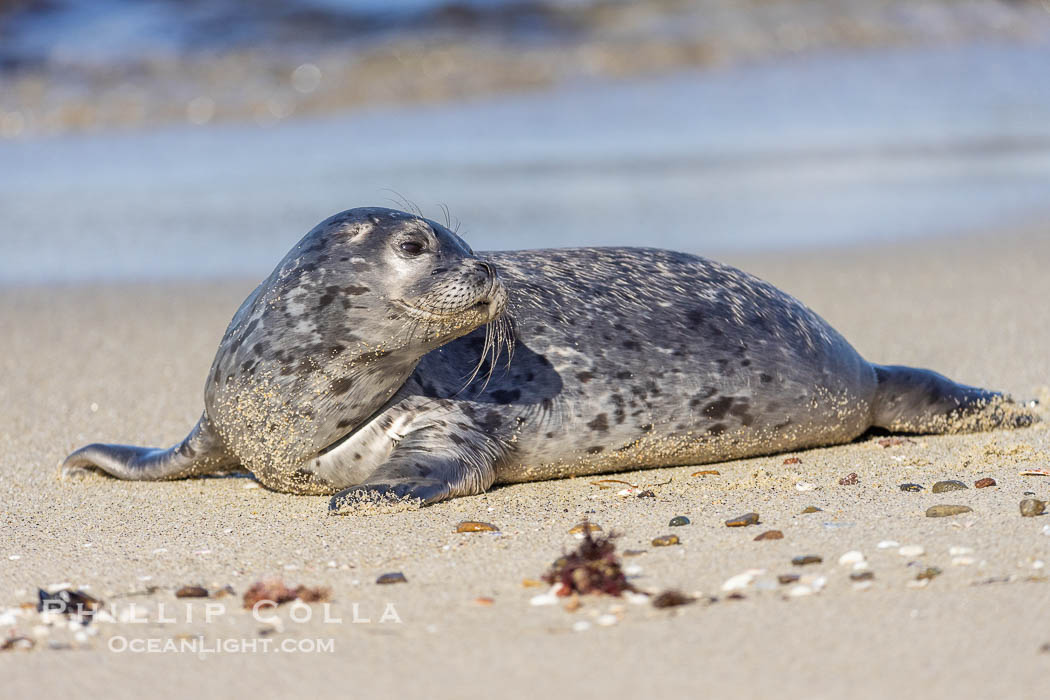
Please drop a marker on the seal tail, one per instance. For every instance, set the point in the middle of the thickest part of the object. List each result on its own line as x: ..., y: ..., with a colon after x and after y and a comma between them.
x: 201, y: 452
x: 910, y: 400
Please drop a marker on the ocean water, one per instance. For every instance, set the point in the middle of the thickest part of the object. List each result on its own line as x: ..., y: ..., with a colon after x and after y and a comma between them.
x: 826, y: 149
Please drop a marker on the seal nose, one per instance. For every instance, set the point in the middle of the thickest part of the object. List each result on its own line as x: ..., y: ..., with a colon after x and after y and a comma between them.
x: 484, y: 272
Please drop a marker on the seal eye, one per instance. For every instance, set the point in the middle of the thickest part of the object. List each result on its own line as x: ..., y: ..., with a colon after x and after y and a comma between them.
x: 411, y: 247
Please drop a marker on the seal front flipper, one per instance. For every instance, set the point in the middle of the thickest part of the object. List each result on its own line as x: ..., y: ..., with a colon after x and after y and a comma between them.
x: 202, y: 452
x: 425, y: 468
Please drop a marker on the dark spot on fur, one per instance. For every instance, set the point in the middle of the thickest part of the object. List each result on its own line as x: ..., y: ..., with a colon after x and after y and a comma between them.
x: 355, y: 290
x: 595, y: 450
x: 623, y: 374
x: 765, y: 378
x: 505, y: 396
x: 344, y: 423
x: 631, y: 345
x: 695, y: 316
x: 716, y: 429
x: 600, y: 423
x: 340, y: 386
x: 717, y: 409
x: 585, y: 376
x: 492, y: 421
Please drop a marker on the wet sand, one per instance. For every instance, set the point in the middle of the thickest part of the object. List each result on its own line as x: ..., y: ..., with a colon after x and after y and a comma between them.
x: 127, y: 364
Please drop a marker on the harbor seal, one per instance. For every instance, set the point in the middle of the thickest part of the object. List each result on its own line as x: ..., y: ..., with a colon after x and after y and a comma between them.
x: 384, y: 361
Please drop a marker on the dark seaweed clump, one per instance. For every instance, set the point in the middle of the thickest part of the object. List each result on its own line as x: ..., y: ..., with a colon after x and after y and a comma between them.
x: 592, y: 568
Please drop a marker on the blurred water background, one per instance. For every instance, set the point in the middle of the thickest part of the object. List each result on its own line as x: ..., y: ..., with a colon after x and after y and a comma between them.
x: 183, y: 139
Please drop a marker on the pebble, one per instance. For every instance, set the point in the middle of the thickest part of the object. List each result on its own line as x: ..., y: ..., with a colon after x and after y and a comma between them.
x: 484, y: 601
x: 666, y: 540
x: 770, y: 535
x: 1046, y: 530
x: 862, y: 576
x: 888, y: 544
x: 476, y: 526
x: 811, y: 509
x: 930, y: 572
x: 949, y: 485
x: 743, y: 520
x: 784, y: 579
x: 911, y: 550
x: 192, y: 592
x: 849, y: 480
x: 607, y: 620
x: 581, y: 626
x: 741, y: 581
x: 911, y: 488
x: 632, y: 570
x: 806, y: 559
x: 678, y: 521
x: 671, y: 599
x: 851, y: 557
x: 984, y: 483
x: 392, y: 577
x: 792, y: 460
x: 1031, y: 507
x: 962, y: 561
x: 959, y: 551
x: 647, y: 494
x: 946, y: 511
x: 591, y: 527
x: 805, y: 486
x: 548, y: 598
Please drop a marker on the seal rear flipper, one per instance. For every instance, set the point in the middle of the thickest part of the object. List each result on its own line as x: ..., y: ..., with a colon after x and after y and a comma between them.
x: 201, y: 452
x: 425, y: 468
x: 910, y: 400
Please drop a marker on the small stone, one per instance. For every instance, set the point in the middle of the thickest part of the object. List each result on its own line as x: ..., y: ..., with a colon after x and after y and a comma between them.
x: 770, y: 535
x: 811, y: 509
x: 572, y: 604
x: 928, y: 573
x: 851, y: 557
x: 949, y: 485
x: 647, y: 494
x: 192, y: 592
x: 590, y: 527
x: 792, y: 460
x: 742, y: 581
x: 671, y: 599
x: 665, y: 540
x: 946, y: 511
x: 1031, y: 507
x: 862, y: 576
x: 392, y: 577
x: 893, y: 442
x: 678, y: 521
x: 849, y: 480
x: 743, y: 520
x: 785, y: 579
x: 484, y: 601
x: 911, y: 488
x: 984, y: 483
x: 531, y: 583
x: 806, y: 559
x: 959, y: 551
x: 707, y: 472
x: 476, y: 526
x: 911, y: 550
x: 805, y: 486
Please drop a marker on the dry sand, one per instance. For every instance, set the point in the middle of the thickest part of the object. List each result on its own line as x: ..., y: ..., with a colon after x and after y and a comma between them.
x: 127, y: 364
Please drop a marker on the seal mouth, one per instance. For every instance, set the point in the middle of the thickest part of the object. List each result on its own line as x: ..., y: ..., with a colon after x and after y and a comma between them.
x: 487, y: 308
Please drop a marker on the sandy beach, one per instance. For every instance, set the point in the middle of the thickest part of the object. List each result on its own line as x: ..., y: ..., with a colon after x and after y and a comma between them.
x: 126, y: 363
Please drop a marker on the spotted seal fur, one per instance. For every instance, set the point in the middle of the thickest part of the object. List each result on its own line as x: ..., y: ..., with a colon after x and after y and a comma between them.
x: 383, y: 360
